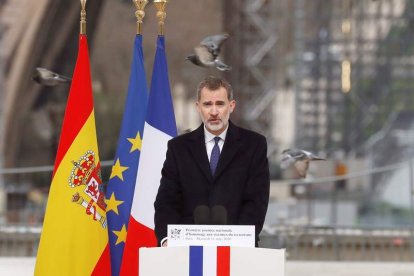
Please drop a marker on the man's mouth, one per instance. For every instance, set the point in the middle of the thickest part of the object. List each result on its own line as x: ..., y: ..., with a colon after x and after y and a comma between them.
x: 214, y: 121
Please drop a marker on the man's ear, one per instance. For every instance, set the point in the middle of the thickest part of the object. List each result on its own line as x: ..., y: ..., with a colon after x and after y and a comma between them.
x: 232, y: 105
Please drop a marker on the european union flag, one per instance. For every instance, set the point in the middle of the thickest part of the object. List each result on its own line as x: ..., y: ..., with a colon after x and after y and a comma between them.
x: 121, y: 184
x: 160, y: 127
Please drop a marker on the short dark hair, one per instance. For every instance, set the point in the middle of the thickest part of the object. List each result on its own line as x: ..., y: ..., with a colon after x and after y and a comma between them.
x: 214, y: 83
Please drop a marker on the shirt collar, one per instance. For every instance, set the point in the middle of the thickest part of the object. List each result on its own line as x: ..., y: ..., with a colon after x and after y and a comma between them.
x: 210, y: 136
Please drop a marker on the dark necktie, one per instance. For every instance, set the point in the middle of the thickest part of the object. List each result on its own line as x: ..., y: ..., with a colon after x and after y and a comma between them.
x: 215, y: 155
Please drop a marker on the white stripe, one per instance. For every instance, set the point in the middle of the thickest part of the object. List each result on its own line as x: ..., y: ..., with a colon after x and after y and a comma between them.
x: 209, y: 261
x: 154, y: 147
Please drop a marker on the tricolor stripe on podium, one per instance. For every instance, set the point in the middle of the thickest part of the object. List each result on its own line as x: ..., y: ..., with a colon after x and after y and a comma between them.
x: 209, y: 261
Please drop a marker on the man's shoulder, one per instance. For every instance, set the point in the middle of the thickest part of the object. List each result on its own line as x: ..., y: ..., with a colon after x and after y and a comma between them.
x: 249, y: 134
x: 188, y: 135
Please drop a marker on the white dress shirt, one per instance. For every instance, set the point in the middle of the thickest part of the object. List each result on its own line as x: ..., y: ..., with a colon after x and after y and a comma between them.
x: 209, y: 139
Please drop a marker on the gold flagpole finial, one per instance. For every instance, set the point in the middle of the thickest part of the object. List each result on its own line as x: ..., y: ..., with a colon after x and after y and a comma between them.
x: 139, y: 14
x: 83, y: 17
x: 161, y: 14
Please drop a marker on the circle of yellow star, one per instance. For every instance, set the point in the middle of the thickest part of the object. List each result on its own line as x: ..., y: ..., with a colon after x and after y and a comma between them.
x: 121, y: 235
x: 136, y: 143
x: 112, y: 204
x: 117, y: 170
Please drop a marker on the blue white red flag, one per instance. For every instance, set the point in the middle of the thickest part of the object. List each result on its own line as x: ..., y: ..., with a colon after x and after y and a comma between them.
x: 159, y: 128
x: 209, y: 261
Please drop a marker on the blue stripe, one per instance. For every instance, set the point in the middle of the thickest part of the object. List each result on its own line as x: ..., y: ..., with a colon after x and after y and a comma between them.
x: 160, y: 106
x: 196, y: 261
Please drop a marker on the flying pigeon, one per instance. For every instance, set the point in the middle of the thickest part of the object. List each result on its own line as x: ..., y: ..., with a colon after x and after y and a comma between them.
x: 214, y: 42
x: 299, y: 159
x: 49, y: 78
x: 207, y: 52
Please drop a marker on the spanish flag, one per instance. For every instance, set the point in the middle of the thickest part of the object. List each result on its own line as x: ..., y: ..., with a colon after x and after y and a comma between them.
x: 74, y: 238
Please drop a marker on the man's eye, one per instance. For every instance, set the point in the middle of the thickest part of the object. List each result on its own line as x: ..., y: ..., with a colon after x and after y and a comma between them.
x: 207, y: 104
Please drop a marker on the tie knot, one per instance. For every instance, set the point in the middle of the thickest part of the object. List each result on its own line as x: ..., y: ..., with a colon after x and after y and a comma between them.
x: 216, y: 139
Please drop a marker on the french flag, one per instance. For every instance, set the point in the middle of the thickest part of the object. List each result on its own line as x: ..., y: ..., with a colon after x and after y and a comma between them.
x: 209, y: 261
x: 159, y: 128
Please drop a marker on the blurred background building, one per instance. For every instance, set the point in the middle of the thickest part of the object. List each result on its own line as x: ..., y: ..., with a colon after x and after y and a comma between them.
x: 333, y: 77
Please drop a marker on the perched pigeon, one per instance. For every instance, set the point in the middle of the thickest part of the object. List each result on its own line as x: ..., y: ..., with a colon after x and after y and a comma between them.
x: 299, y: 159
x: 206, y: 53
x: 49, y: 78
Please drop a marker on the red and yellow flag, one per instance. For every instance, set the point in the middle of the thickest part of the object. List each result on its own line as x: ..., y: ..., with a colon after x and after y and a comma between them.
x: 74, y: 237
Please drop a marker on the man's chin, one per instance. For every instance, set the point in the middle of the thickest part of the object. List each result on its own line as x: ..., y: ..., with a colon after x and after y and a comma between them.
x: 214, y: 127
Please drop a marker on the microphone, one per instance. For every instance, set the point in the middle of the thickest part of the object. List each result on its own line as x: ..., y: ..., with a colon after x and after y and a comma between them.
x: 202, y: 215
x: 218, y: 215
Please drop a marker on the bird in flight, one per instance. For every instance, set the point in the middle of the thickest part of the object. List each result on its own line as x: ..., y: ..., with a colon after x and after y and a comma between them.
x: 298, y: 159
x: 48, y: 78
x: 206, y: 54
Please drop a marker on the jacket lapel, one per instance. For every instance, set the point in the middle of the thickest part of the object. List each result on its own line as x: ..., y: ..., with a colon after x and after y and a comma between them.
x: 230, y: 148
x: 198, y: 149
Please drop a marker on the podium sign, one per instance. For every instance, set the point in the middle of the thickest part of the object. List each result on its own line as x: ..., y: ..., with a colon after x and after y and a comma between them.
x: 211, y: 235
x: 211, y: 261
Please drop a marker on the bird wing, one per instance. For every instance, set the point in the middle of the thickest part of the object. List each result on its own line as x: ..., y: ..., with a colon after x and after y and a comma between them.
x: 303, y: 154
x: 221, y: 65
x: 315, y: 157
x: 214, y: 42
x: 204, y: 55
x: 299, y: 154
x: 287, y: 161
x: 302, y: 167
x: 61, y: 78
x: 44, y: 73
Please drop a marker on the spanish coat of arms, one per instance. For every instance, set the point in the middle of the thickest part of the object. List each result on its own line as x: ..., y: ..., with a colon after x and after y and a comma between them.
x: 86, y: 174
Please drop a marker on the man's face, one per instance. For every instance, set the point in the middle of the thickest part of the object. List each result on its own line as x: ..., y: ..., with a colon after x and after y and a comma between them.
x: 215, y: 108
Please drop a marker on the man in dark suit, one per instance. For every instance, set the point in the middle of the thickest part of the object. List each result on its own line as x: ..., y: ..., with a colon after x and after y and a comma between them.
x: 218, y: 164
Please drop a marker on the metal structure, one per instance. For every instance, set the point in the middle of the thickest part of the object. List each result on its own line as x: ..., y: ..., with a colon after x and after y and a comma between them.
x: 29, y: 29
x: 253, y: 56
x: 349, y: 64
x: 354, y: 67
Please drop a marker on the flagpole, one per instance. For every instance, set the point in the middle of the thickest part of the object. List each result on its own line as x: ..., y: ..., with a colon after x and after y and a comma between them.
x: 139, y: 14
x: 83, y: 18
x: 161, y: 14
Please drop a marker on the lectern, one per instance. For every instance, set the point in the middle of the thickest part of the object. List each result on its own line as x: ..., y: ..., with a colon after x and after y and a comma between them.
x: 211, y: 261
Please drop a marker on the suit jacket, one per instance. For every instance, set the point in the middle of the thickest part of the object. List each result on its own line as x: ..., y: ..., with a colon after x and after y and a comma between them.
x: 241, y: 182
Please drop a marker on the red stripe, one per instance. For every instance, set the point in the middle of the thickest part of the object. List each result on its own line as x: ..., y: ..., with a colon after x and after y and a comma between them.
x: 223, y: 260
x: 80, y: 102
x: 138, y: 236
x: 103, y: 266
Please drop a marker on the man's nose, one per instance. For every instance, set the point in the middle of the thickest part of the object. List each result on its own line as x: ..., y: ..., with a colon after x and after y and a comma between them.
x: 214, y: 110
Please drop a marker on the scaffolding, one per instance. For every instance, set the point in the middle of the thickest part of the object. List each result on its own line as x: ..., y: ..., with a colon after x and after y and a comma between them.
x: 355, y: 66
x: 348, y: 63
x: 252, y: 26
